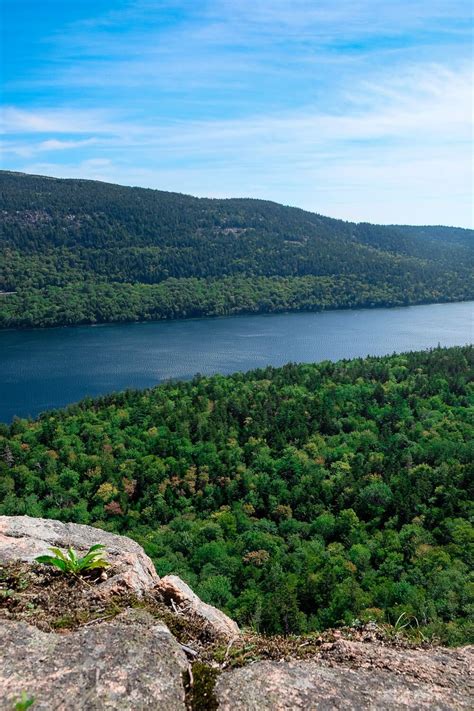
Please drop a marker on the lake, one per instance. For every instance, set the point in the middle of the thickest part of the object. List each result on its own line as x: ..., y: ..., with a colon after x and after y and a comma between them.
x: 44, y: 369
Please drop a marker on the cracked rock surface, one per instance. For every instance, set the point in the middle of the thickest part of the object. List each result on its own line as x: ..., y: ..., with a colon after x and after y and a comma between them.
x: 133, y: 662
x: 174, y: 589
x: 354, y: 675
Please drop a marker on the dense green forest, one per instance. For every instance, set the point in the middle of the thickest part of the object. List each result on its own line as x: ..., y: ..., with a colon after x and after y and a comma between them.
x: 79, y: 251
x: 295, y: 498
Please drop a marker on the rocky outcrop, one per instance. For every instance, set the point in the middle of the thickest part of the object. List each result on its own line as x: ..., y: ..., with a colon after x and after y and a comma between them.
x: 133, y: 662
x: 353, y: 675
x: 24, y: 538
x: 74, y: 643
x: 176, y: 591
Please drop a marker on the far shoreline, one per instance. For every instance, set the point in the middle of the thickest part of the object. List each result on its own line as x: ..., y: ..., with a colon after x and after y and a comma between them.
x: 241, y: 314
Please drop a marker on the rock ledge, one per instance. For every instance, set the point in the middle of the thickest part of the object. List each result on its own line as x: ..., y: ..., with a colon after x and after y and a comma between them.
x: 24, y: 538
x: 96, y: 652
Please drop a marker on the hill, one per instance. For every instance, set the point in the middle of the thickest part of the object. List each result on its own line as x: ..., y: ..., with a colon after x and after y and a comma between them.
x: 80, y: 251
x: 295, y: 498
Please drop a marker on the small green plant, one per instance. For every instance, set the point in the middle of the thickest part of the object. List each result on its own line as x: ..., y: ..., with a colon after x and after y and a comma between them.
x: 71, y: 563
x: 24, y: 702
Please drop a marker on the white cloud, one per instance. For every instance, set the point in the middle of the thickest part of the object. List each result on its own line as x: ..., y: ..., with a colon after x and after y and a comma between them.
x: 27, y: 150
x: 428, y: 101
x: 400, y: 152
x: 58, y: 120
x: 53, y: 144
x: 376, y: 135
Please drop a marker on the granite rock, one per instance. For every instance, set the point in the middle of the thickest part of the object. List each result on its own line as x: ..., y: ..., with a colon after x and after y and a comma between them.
x: 132, y: 662
x: 353, y: 676
x: 174, y: 590
x: 24, y: 538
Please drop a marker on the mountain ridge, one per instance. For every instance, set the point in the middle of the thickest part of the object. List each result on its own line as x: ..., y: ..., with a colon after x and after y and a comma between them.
x: 80, y: 251
x: 18, y: 173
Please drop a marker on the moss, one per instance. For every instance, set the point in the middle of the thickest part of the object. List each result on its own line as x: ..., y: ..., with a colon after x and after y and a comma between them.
x: 200, y: 694
x: 14, y: 577
x: 188, y: 629
x: 49, y: 599
x: 64, y: 622
x: 77, y: 618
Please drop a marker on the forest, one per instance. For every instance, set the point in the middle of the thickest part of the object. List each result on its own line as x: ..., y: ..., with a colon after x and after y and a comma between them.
x: 80, y: 251
x: 295, y: 498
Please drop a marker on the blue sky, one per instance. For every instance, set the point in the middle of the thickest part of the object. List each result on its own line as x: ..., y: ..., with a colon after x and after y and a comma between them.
x: 359, y: 109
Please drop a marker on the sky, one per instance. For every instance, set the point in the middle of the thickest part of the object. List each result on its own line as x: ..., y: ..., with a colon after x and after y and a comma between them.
x: 357, y: 109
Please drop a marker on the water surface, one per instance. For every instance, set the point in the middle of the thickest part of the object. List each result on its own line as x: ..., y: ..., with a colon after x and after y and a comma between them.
x: 43, y: 369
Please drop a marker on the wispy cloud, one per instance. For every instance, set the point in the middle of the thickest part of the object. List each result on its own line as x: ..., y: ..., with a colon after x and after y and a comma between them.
x: 51, y: 145
x: 58, y: 120
x: 361, y: 110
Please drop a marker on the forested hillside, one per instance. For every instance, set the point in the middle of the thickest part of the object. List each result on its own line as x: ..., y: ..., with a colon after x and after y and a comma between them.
x: 78, y: 251
x: 295, y: 498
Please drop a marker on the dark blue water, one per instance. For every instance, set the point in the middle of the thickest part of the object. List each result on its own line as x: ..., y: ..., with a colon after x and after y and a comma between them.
x: 42, y: 369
